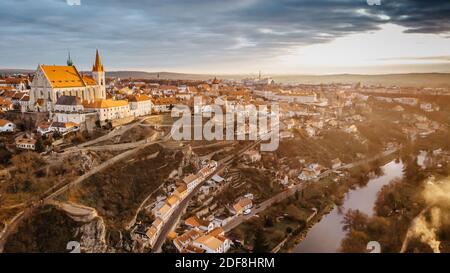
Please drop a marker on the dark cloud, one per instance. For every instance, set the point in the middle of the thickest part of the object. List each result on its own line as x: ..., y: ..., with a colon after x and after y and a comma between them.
x: 185, y: 33
x: 419, y: 16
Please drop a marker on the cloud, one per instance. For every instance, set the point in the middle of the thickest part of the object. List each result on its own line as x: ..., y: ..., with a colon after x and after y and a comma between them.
x: 431, y: 16
x: 178, y: 33
x: 426, y: 58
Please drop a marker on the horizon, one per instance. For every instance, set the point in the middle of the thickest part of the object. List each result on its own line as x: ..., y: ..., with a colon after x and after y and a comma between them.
x: 29, y: 70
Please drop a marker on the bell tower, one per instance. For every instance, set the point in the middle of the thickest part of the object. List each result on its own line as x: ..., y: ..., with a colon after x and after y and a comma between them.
x: 98, y: 73
x: 69, y: 60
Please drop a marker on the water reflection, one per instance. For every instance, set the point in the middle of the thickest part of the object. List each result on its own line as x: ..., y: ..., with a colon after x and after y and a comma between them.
x: 326, y: 236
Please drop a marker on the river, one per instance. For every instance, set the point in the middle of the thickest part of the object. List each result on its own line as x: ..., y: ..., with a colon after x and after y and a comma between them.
x: 326, y: 236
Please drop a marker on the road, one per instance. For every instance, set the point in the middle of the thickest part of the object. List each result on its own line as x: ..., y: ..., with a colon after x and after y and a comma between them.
x: 60, y: 188
x: 297, y: 187
x: 264, y: 205
x: 176, y: 214
x: 98, y: 168
x: 118, y: 131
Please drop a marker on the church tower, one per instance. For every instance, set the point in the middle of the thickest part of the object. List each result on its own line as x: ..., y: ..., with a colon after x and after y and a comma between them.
x: 69, y: 60
x: 98, y: 73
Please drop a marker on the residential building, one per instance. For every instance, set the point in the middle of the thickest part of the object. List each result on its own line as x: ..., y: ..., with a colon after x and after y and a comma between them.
x: 201, y: 224
x: 191, y: 181
x: 26, y: 143
x: 6, y: 104
x: 212, y: 244
x: 109, y: 109
x: 184, y: 240
x: 181, y: 191
x: 242, y: 205
x: 6, y: 126
x: 64, y: 127
x: 163, y: 105
x: 140, y: 105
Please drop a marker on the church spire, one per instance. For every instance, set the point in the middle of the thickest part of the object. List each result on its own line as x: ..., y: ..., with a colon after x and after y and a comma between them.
x: 69, y: 60
x: 98, y: 66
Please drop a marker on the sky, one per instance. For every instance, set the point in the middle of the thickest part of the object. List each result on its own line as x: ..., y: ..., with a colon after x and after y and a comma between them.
x: 229, y: 36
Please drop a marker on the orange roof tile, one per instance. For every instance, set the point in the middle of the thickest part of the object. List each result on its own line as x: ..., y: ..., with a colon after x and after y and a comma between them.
x: 137, y: 98
x: 108, y: 103
x: 63, y: 76
x: 3, y: 122
x: 88, y: 80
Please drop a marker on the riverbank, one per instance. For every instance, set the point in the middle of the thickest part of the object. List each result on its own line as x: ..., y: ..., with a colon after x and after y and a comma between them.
x: 291, y: 244
x: 325, y: 212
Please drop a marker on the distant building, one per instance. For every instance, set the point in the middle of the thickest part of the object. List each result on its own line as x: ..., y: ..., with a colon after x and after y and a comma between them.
x: 215, y: 84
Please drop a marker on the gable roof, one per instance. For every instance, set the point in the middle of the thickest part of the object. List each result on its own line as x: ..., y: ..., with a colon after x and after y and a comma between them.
x: 88, y: 80
x: 209, y: 241
x: 137, y: 98
x: 108, y: 103
x: 3, y: 122
x: 190, y: 179
x: 5, y: 102
x: 63, y: 76
x: 218, y: 231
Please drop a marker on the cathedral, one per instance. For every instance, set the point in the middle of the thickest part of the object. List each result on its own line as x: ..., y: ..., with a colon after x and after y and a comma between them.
x: 51, y: 82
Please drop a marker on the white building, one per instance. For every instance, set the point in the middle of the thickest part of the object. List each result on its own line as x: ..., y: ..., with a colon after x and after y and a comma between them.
x: 6, y: 126
x: 191, y: 181
x: 163, y: 105
x: 51, y: 81
x: 26, y: 143
x: 109, y: 109
x: 140, y: 105
x: 428, y: 107
x: 212, y: 244
x: 69, y: 109
x: 64, y: 127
